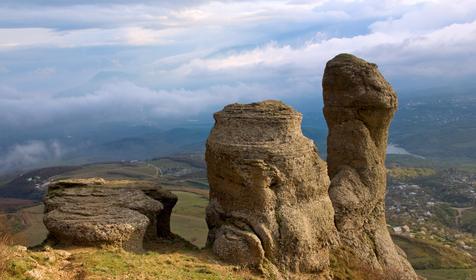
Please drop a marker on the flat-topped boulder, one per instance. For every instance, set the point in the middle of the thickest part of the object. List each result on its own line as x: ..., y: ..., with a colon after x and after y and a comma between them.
x: 268, y: 192
x: 96, y: 212
x: 97, y: 226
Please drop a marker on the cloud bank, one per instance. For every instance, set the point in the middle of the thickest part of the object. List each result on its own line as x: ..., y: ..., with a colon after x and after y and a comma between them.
x: 29, y: 154
x: 70, y: 62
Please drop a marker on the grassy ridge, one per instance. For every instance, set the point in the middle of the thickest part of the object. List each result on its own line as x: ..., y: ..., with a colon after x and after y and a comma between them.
x: 424, y: 254
x: 409, y: 172
x: 448, y: 274
x: 175, y: 261
x: 468, y: 220
x: 112, y: 171
x: 183, y: 264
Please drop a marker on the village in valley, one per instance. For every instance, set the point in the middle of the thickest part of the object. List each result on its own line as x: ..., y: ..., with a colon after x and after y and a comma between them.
x: 435, y: 206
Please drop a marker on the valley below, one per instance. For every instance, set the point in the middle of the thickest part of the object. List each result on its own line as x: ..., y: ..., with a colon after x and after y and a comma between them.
x: 431, y: 212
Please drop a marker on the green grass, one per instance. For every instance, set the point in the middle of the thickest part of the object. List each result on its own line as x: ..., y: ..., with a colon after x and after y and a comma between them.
x: 468, y: 220
x: 448, y: 274
x: 116, y: 264
x: 188, y: 217
x: 197, y: 184
x: 190, y: 228
x: 410, y: 173
x: 445, y: 214
x: 190, y: 204
x: 113, y: 171
x: 461, y: 164
x: 168, y: 163
x: 424, y: 254
x: 162, y: 260
x: 16, y: 269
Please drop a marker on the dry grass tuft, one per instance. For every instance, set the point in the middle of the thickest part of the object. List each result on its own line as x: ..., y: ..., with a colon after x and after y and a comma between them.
x: 5, y: 242
x: 345, y: 266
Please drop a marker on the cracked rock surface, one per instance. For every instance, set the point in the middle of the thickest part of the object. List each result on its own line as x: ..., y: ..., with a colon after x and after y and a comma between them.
x: 269, y: 200
x: 92, y: 213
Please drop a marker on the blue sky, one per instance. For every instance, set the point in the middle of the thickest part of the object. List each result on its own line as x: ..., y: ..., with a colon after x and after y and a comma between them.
x: 64, y: 62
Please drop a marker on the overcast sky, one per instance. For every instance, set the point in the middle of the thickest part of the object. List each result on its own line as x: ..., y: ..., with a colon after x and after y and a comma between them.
x: 67, y: 65
x: 66, y: 61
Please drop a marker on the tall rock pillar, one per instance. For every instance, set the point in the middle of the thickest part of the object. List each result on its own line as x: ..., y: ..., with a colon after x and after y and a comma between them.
x: 358, y: 106
x: 269, y: 202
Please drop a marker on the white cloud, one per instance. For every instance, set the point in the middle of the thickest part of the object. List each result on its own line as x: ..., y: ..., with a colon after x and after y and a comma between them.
x: 43, y: 37
x: 452, y: 44
x: 29, y: 154
x: 45, y: 72
x: 183, y: 60
x: 426, y: 18
x: 127, y: 102
x: 144, y: 24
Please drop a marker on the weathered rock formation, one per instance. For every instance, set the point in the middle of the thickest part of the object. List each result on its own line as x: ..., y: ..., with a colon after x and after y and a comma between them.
x: 95, y: 213
x: 268, y: 191
x: 358, y: 106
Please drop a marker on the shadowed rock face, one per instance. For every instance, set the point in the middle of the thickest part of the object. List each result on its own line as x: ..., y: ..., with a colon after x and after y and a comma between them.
x: 93, y: 213
x: 358, y: 106
x: 268, y: 191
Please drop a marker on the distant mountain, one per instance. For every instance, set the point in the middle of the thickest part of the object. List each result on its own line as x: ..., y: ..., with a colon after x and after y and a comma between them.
x: 439, y: 124
x: 146, y: 146
x: 29, y: 185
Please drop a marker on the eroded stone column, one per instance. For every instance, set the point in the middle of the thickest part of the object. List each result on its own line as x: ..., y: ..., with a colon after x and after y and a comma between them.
x: 358, y: 106
x: 269, y: 200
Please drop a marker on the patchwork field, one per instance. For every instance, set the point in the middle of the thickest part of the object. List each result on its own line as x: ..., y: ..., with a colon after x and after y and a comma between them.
x: 188, y: 217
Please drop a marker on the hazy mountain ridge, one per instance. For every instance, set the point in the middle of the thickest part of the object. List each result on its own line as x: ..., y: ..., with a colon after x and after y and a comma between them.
x: 440, y: 126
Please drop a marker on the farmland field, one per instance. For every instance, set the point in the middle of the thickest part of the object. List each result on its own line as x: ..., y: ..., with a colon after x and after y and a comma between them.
x: 26, y: 225
x: 188, y: 217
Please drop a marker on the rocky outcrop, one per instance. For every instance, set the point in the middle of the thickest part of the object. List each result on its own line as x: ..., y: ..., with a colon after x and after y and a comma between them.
x: 358, y: 106
x: 96, y: 212
x: 268, y: 191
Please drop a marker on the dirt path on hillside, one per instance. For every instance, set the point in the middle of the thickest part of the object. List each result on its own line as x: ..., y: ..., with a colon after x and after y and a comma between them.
x: 459, y: 216
x: 158, y: 171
